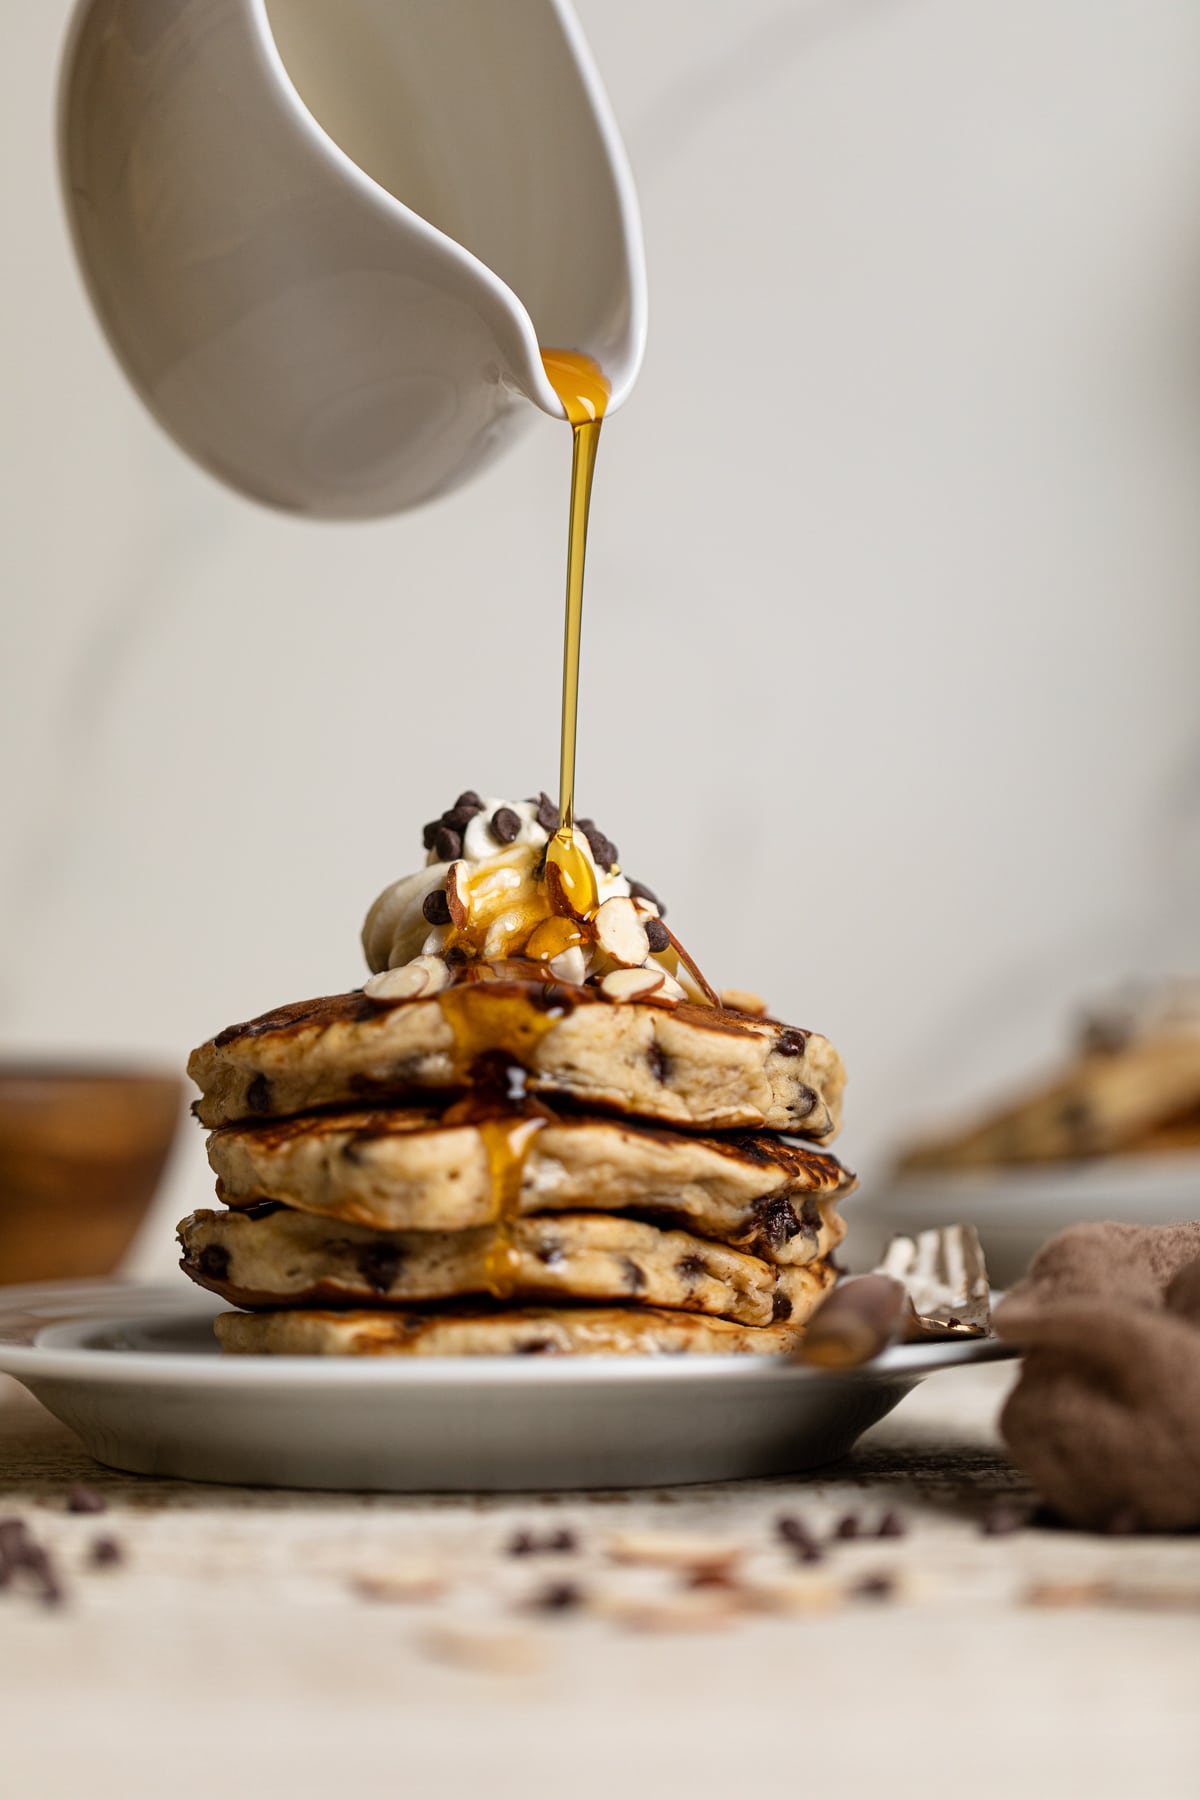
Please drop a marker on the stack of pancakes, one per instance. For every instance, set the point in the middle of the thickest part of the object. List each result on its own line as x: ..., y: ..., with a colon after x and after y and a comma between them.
x: 516, y: 1164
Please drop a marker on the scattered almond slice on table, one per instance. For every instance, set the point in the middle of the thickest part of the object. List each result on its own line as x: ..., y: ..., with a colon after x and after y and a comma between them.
x: 412, y: 1581
x: 674, y: 1550
x: 486, y: 1649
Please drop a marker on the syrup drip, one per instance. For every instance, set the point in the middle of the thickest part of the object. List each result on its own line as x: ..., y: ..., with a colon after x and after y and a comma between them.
x: 499, y: 1029
x: 507, y: 1128
x: 584, y: 390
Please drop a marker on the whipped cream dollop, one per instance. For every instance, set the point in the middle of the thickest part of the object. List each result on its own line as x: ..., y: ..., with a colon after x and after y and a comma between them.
x: 489, y: 891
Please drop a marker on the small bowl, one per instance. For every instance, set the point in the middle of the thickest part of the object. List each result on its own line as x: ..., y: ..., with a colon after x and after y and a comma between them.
x: 81, y: 1154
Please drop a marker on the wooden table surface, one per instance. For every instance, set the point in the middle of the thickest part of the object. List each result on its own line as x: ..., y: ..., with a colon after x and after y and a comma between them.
x: 257, y: 1642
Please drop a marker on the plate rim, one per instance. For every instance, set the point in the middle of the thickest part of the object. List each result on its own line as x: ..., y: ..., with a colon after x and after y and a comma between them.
x: 159, y: 1299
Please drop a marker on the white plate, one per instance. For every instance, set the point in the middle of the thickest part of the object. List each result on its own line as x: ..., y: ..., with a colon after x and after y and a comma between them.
x: 136, y: 1371
x: 1016, y: 1210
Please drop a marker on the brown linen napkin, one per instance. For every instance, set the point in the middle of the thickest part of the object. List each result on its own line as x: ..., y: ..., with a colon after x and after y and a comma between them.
x: 1105, y: 1418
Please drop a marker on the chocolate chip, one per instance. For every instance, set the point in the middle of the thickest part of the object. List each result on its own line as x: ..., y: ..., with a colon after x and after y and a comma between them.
x: 776, y: 1221
x: 537, y: 1347
x: 791, y: 1043
x: 379, y: 1264
x: 891, y: 1526
x: 640, y: 891
x: 659, y: 1062
x: 550, y: 1251
x: 447, y: 845
x: 436, y: 907
x: 810, y: 1217
x: 848, y: 1527
x: 603, y: 849
x: 547, y: 812
x: 20, y: 1554
x: 455, y: 956
x: 36, y: 1561
x: 83, y: 1499
x: 557, y: 1597
x: 657, y: 935
x: 781, y: 1306
x: 805, y: 1102
x: 875, y: 1587
x: 14, y: 1535
x: 796, y: 1534
x: 258, y: 1095
x: 470, y: 801
x: 105, y: 1553
x: 429, y: 832
x: 633, y: 1275
x: 528, y: 1543
x: 506, y: 824
x: 213, y: 1261
x: 692, y: 1267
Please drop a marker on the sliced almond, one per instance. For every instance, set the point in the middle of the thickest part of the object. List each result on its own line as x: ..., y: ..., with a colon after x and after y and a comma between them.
x: 798, y: 1594
x: 563, y: 899
x: 689, y: 973
x: 423, y: 975
x: 491, y: 1651
x: 457, y: 895
x: 742, y: 1000
x: 671, y: 990
x: 620, y: 933
x: 674, y: 1550
x: 1068, y: 1593
x: 570, y: 965
x: 631, y: 984
x: 709, y: 1610
x: 552, y: 937
x: 399, y: 1582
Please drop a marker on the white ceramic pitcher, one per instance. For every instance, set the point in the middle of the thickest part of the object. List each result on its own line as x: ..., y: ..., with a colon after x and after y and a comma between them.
x: 305, y: 225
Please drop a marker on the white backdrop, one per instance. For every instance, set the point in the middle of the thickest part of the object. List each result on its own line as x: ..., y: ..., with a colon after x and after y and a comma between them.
x: 892, y: 639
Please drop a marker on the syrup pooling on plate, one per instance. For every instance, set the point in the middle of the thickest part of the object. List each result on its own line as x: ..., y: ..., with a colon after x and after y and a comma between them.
x: 583, y: 389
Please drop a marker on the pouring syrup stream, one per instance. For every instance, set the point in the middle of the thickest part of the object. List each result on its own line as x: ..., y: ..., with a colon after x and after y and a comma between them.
x: 583, y: 389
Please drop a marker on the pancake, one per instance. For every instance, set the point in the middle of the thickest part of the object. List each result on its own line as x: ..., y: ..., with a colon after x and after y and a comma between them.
x: 682, y: 1064
x: 1108, y: 1103
x: 414, y: 1169
x: 530, y: 1331
x: 274, y: 1257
